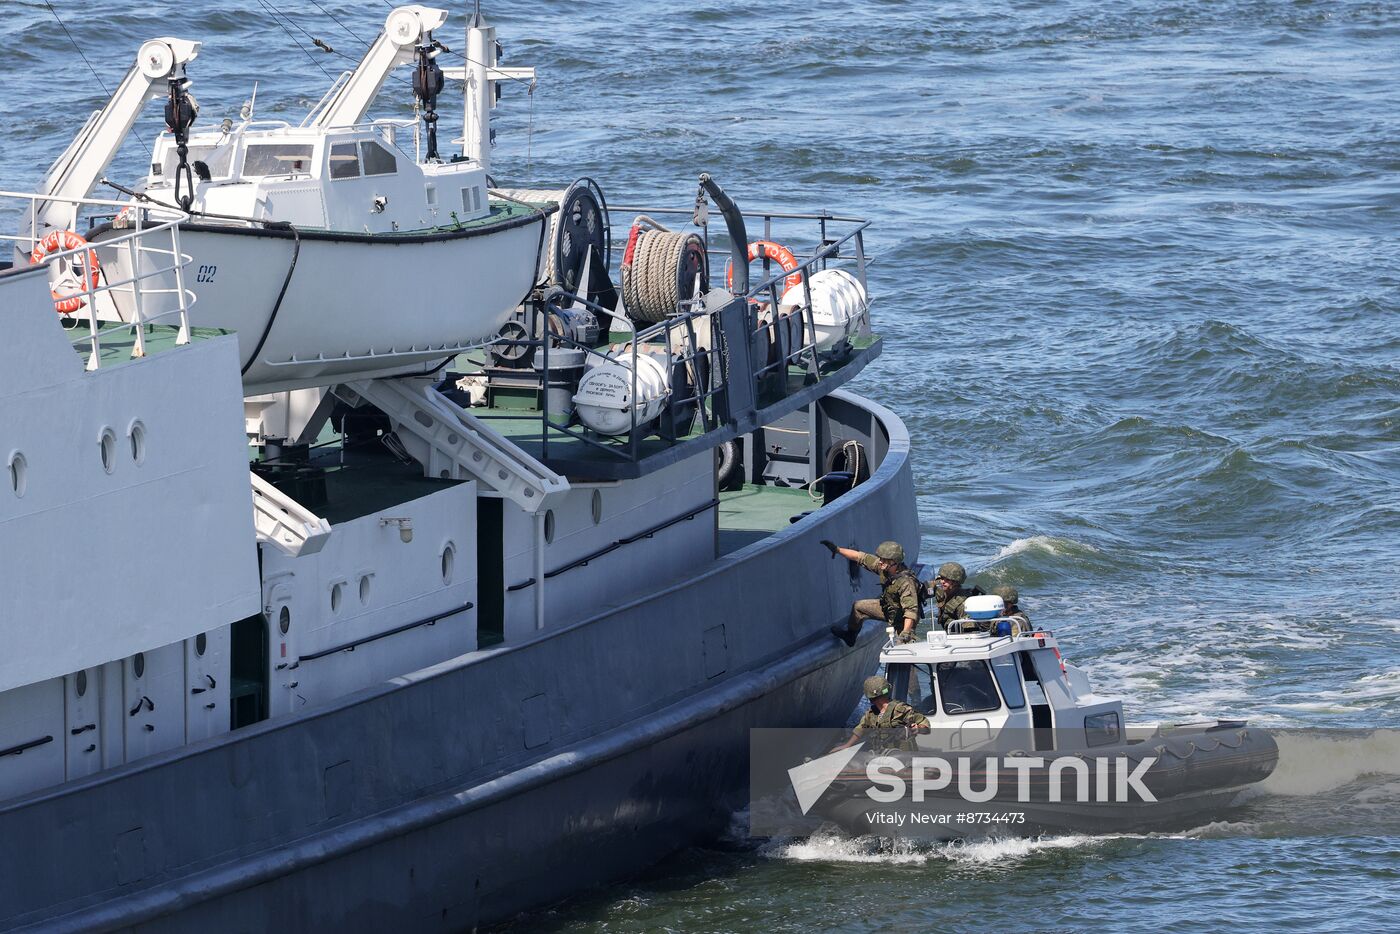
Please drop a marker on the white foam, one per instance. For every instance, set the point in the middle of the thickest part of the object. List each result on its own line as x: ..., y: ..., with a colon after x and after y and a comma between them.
x: 1000, y: 849
x: 831, y: 848
x: 1223, y: 828
x: 834, y: 848
x: 1047, y: 544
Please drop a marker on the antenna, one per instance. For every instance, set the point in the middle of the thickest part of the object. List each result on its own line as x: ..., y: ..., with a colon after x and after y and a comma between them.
x: 247, y: 112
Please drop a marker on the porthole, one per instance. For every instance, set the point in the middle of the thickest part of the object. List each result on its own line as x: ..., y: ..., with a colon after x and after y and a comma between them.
x: 201, y: 644
x: 19, y: 473
x: 449, y: 556
x: 597, y: 506
x: 80, y: 683
x: 284, y: 620
x: 108, y: 446
x: 136, y: 434
x: 138, y: 664
x: 364, y: 590
x: 337, y: 597
x: 549, y: 526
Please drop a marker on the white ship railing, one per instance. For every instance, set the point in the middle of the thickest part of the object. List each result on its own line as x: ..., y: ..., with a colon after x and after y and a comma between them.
x: 152, y: 248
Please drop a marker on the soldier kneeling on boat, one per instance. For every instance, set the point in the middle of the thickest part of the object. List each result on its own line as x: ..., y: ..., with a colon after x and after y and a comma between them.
x: 898, y: 603
x: 1010, y: 598
x: 949, y: 594
x: 888, y: 724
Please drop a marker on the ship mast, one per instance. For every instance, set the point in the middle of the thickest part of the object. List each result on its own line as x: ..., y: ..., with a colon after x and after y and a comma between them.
x: 481, y: 74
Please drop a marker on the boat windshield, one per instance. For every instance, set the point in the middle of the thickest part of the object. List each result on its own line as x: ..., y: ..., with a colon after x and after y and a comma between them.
x: 277, y: 159
x: 966, y: 687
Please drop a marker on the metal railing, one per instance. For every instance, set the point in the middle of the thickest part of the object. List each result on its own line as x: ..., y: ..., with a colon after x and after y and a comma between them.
x: 146, y: 256
x: 676, y: 339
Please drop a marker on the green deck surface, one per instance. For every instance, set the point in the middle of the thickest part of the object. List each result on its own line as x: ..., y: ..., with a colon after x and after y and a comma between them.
x: 363, y: 488
x: 370, y: 480
x: 116, y: 341
x: 573, y: 456
x: 753, y: 513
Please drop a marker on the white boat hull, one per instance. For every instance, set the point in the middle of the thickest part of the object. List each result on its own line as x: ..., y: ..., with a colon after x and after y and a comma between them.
x: 354, y: 306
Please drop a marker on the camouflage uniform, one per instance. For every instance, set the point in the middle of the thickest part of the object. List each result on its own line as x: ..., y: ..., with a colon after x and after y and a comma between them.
x: 950, y: 603
x: 1020, y: 622
x: 899, y: 595
x: 888, y: 729
x: 899, y: 591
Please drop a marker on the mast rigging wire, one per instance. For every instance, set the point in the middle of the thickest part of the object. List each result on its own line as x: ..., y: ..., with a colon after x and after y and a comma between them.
x: 79, y: 49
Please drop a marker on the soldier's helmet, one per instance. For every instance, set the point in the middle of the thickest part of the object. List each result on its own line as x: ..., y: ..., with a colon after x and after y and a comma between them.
x: 890, y: 551
x: 1009, y: 595
x: 952, y: 571
x: 876, y: 686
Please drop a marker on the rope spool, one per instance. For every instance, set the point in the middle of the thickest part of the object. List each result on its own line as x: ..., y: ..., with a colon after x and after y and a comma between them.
x: 659, y: 271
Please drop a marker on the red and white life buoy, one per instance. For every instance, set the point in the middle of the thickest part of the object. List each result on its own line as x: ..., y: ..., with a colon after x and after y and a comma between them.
x: 69, y: 279
x: 767, y: 249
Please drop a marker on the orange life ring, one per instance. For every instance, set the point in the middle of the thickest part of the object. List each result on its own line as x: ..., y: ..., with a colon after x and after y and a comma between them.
x: 761, y: 249
x: 57, y: 241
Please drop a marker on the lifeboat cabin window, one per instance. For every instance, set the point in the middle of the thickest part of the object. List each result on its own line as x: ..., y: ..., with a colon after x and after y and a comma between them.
x: 345, y: 161
x: 217, y: 160
x: 277, y: 159
x: 377, y: 159
x: 967, y: 687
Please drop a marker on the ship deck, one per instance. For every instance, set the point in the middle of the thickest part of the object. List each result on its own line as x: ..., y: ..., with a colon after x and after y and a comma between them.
x: 752, y: 513
x: 367, y: 481
x: 581, y: 455
x: 117, y: 341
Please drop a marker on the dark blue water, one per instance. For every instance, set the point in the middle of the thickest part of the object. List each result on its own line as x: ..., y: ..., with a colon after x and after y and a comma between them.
x: 1139, y: 278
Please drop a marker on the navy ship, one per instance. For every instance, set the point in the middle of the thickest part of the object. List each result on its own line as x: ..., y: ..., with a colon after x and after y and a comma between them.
x: 384, y: 546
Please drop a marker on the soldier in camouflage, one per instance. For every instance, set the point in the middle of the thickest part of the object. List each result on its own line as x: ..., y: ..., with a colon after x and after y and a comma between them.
x: 898, y: 603
x: 950, y: 594
x: 888, y: 724
x: 1020, y: 622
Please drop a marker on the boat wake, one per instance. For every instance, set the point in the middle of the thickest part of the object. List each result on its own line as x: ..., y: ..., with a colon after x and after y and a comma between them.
x: 1314, y: 763
x: 834, y: 847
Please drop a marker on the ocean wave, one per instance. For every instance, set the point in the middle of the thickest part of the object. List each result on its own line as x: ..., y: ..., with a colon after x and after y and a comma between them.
x: 1046, y: 544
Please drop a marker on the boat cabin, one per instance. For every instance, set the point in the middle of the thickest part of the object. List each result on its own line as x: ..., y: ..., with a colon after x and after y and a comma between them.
x: 978, y: 687
x: 365, y: 178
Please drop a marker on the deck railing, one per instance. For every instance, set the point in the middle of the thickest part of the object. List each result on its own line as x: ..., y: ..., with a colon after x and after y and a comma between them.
x: 676, y: 337
x: 150, y: 248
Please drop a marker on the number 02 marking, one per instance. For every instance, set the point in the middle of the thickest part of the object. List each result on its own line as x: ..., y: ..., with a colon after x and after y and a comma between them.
x: 206, y: 273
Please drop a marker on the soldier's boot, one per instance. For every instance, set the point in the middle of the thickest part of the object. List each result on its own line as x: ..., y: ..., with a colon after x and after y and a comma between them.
x: 848, y: 633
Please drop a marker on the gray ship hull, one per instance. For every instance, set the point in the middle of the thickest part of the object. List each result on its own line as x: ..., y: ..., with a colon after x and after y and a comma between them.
x: 489, y: 784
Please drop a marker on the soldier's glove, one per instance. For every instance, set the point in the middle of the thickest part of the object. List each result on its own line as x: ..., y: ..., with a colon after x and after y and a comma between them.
x: 906, y: 637
x: 831, y: 547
